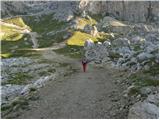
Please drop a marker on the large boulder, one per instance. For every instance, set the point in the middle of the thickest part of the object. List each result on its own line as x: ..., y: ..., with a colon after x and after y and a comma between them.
x: 89, y: 44
x: 144, y: 56
x: 143, y: 110
x: 120, y: 42
x: 109, y: 24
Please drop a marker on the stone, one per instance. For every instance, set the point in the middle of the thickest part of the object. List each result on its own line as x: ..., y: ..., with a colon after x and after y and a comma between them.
x: 145, y: 90
x: 89, y: 44
x: 143, y: 110
x: 136, y: 40
x: 107, y: 44
x: 146, y: 67
x: 88, y: 28
x: 10, y: 92
x: 120, y: 42
x: 154, y: 99
x: 144, y: 56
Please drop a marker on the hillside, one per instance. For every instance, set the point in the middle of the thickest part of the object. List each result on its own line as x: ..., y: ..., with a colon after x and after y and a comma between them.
x: 42, y: 47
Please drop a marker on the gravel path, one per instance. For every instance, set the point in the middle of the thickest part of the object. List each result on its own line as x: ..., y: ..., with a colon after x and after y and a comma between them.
x: 92, y: 94
x: 80, y: 95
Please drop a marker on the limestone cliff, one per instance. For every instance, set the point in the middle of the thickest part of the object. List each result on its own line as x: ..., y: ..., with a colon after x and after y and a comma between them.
x: 134, y: 11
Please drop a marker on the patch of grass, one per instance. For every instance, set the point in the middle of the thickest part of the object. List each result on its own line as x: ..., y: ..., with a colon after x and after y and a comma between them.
x: 6, y: 107
x: 96, y: 17
x: 45, y: 23
x: 63, y: 64
x: 141, y: 79
x: 133, y: 91
x: 18, y: 79
x: 43, y: 26
x: 154, y: 69
x: 114, y: 55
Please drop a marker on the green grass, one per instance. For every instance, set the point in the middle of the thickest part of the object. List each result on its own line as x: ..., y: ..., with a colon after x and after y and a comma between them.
x: 47, y: 24
x: 96, y: 17
x: 142, y: 79
x: 18, y: 79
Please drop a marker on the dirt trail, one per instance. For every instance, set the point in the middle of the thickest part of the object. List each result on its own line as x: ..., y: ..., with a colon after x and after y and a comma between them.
x: 80, y: 95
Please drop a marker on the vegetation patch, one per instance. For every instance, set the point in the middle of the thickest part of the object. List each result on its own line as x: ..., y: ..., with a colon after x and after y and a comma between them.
x: 10, y: 32
x: 78, y: 38
x: 141, y: 79
x: 85, y: 21
x: 18, y: 79
x: 96, y: 17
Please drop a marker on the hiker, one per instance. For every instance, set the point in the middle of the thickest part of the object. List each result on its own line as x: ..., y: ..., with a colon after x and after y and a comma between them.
x: 84, y: 64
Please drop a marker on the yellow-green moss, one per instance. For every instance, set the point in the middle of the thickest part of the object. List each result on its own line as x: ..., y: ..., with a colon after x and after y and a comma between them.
x: 78, y: 38
x: 16, y: 21
x: 5, y: 55
x: 83, y: 21
x: 11, y: 33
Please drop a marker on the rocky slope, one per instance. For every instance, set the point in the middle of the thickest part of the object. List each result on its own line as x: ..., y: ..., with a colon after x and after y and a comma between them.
x: 135, y: 51
x: 123, y: 10
x: 125, y: 45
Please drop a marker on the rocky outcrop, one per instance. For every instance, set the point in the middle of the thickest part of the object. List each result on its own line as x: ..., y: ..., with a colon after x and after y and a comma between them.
x: 64, y: 10
x: 109, y: 24
x: 135, y: 11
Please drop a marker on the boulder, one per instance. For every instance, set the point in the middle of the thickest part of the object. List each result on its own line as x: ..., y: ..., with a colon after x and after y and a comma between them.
x: 143, y: 110
x: 109, y: 24
x: 144, y: 56
x: 9, y: 92
x: 89, y: 44
x: 106, y: 44
x: 120, y: 42
x: 145, y: 90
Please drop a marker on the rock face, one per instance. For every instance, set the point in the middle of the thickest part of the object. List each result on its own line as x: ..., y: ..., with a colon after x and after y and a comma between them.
x: 123, y: 10
x: 126, y: 10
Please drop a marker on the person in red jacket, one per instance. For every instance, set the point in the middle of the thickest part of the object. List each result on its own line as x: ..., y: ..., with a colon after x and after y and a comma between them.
x: 84, y: 64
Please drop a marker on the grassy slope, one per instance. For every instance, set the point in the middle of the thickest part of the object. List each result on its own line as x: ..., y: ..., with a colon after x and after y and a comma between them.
x: 9, y: 33
x: 44, y: 25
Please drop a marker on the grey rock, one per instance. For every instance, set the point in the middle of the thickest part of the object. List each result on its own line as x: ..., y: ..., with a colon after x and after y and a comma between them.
x: 9, y: 92
x: 143, y: 110
x: 154, y: 99
x: 88, y: 28
x: 144, y: 56
x: 145, y: 90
